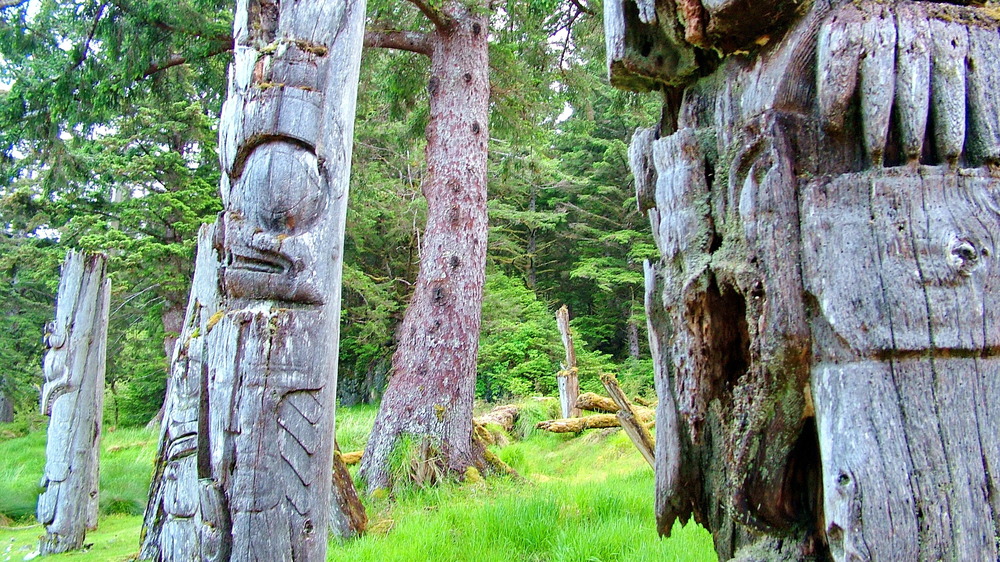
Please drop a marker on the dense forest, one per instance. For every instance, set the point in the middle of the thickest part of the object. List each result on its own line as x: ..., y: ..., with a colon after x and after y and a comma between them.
x: 109, y: 119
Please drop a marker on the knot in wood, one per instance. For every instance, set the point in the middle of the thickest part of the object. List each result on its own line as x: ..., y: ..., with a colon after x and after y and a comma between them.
x: 963, y: 257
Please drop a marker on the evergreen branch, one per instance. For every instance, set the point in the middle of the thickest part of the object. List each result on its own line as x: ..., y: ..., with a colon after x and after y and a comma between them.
x: 177, y: 60
x: 583, y: 7
x: 413, y: 41
x: 161, y: 24
x: 441, y: 20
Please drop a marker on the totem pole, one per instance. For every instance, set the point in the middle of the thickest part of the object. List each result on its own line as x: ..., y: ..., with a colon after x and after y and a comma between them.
x: 824, y: 192
x: 72, y: 397
x: 246, y: 454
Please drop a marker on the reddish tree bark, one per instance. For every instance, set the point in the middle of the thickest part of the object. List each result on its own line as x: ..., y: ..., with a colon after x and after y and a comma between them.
x: 432, y: 386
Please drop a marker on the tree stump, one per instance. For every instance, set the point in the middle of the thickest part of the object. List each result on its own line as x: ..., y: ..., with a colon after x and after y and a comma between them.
x: 247, y: 447
x: 72, y: 397
x: 823, y: 190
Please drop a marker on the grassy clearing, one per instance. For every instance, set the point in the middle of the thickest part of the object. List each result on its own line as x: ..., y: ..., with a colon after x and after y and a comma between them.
x: 586, y: 498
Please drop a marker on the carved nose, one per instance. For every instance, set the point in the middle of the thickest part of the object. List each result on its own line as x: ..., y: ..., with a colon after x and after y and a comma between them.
x: 281, y: 188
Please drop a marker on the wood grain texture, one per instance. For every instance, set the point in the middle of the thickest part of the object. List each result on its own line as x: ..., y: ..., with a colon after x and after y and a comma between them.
x: 72, y: 397
x: 823, y: 319
x: 246, y: 453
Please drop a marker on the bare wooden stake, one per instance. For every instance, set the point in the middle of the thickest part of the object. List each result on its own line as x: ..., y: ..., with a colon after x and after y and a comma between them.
x: 629, y: 419
x: 568, y: 378
x: 73, y: 396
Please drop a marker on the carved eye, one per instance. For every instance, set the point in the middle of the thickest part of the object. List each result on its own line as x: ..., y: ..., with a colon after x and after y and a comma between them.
x: 281, y: 187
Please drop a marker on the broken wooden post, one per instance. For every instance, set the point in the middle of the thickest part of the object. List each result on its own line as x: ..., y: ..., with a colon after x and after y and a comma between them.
x: 72, y: 397
x: 184, y: 517
x: 347, y: 514
x: 568, y: 377
x: 245, y: 463
x: 6, y: 406
x: 629, y: 419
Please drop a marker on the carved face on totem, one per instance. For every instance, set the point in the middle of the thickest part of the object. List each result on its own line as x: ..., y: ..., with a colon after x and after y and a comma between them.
x: 279, y: 232
x: 272, y: 249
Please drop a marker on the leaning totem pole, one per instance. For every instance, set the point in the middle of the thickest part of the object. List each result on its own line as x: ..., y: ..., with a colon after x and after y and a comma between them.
x: 72, y: 396
x: 246, y: 451
x: 824, y: 191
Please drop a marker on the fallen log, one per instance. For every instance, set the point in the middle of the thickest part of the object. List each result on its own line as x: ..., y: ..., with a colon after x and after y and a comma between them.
x: 503, y: 416
x: 628, y: 418
x: 643, y: 402
x: 576, y: 425
x: 352, y: 458
x: 596, y: 403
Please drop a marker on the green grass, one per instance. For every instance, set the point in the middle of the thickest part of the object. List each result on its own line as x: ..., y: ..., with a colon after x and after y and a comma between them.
x: 126, y: 467
x: 586, y: 498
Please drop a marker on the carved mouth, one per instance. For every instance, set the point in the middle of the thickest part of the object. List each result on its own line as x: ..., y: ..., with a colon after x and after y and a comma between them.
x: 260, y: 264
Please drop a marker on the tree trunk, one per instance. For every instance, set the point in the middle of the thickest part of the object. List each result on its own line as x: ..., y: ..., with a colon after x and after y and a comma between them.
x: 822, y: 320
x: 568, y: 379
x: 431, y: 389
x: 245, y: 460
x: 72, y: 396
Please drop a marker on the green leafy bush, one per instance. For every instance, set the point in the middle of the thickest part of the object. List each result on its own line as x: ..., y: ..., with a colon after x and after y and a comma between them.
x: 519, y: 346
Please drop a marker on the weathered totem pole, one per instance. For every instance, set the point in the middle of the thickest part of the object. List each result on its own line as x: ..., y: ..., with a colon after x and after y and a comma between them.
x: 246, y: 453
x: 72, y: 397
x: 824, y: 191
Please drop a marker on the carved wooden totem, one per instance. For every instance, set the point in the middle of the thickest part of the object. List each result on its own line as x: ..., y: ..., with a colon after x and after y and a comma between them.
x: 246, y: 453
x: 72, y: 397
x: 824, y: 191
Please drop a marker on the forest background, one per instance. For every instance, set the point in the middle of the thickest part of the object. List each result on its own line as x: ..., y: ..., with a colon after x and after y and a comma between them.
x: 108, y: 133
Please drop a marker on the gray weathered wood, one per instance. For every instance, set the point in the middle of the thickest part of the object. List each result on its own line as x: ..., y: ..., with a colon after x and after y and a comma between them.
x: 72, y: 397
x: 247, y: 444
x: 950, y: 45
x: 877, y: 81
x: 838, y: 52
x: 183, y: 518
x: 6, y: 408
x: 824, y: 316
x: 568, y: 378
x: 913, y: 71
x: 983, y: 87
